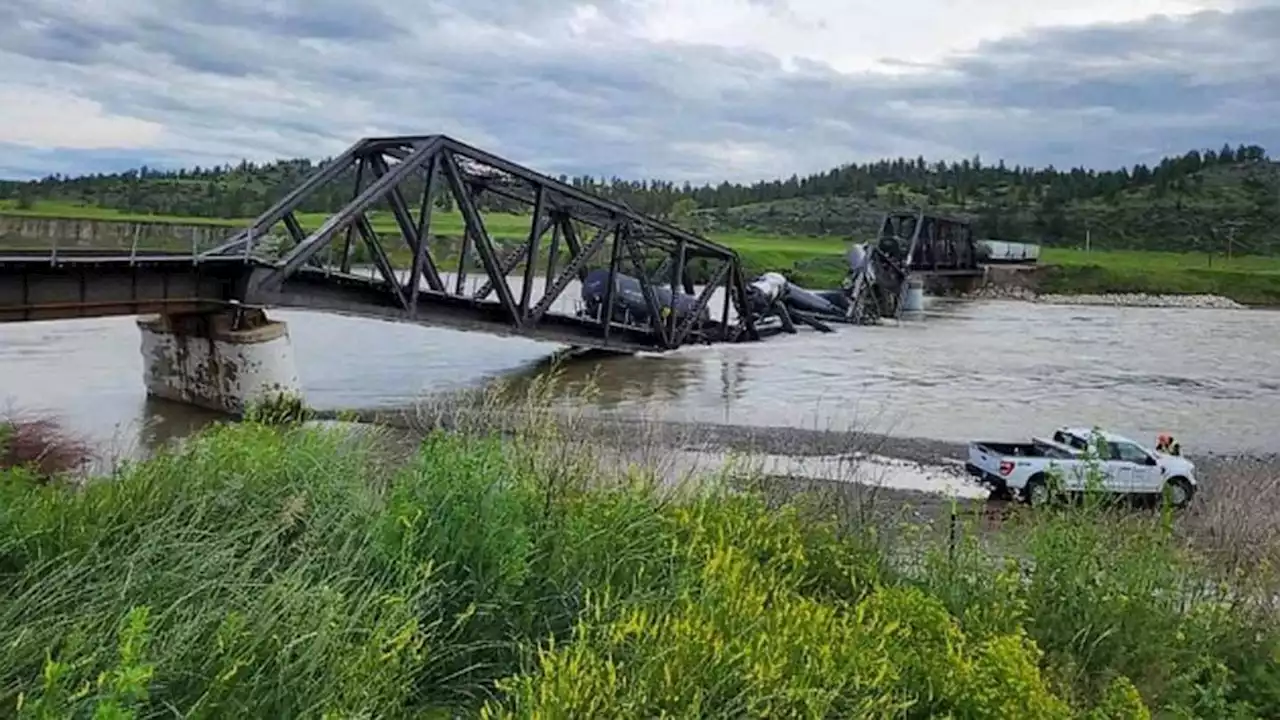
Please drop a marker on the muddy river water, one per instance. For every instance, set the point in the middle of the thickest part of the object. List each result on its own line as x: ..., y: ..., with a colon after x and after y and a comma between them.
x: 991, y: 369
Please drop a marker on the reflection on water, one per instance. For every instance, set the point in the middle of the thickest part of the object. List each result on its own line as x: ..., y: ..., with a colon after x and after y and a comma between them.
x: 612, y: 381
x: 991, y: 369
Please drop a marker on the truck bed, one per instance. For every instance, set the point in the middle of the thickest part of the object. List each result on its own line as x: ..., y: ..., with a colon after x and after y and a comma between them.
x: 998, y: 462
x: 1031, y: 449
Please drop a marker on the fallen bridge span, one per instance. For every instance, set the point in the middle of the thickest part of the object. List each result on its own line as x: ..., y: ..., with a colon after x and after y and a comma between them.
x: 378, y: 256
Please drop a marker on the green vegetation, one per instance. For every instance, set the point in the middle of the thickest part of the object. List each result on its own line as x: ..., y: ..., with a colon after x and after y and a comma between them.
x: 1252, y: 280
x: 286, y: 408
x: 811, y: 259
x: 1212, y: 216
x: 40, y: 446
x: 287, y: 571
x: 1202, y: 200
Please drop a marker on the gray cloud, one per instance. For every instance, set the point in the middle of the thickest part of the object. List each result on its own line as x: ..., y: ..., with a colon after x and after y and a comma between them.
x: 229, y: 79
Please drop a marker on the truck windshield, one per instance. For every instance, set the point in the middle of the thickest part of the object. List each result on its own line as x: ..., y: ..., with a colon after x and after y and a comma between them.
x: 1127, y: 452
x: 1070, y: 440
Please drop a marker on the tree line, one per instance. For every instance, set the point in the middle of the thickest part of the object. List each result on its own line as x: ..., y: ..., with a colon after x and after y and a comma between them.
x: 1231, y: 184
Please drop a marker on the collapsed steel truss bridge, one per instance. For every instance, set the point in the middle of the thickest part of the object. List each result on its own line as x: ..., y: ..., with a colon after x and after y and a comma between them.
x: 277, y: 262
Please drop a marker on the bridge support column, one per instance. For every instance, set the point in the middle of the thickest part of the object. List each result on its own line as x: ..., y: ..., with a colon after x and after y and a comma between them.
x: 913, y: 301
x: 222, y: 361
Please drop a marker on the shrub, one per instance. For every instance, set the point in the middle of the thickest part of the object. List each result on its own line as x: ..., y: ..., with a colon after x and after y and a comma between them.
x: 742, y: 636
x: 278, y: 409
x: 41, y: 446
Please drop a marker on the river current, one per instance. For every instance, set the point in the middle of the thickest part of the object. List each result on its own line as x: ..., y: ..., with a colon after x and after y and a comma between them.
x: 967, y: 369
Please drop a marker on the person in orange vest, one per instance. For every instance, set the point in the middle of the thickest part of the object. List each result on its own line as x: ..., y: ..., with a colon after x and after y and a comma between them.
x: 1167, y: 445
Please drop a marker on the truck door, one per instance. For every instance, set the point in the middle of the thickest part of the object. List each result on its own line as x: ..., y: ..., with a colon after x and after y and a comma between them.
x: 1133, y: 468
x: 1147, y: 477
x: 1120, y: 476
x: 1096, y: 459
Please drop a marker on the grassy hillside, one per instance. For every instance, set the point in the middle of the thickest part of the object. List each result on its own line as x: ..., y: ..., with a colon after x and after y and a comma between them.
x: 1239, y: 203
x: 1191, y: 202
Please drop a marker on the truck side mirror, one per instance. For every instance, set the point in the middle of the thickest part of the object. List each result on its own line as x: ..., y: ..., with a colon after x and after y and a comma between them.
x: 1150, y: 461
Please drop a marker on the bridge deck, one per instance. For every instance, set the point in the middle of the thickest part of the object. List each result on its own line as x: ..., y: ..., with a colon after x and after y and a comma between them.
x: 93, y: 283
x: 77, y: 284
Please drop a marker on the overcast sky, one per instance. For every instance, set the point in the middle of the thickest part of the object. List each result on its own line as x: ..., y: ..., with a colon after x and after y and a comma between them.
x: 698, y: 90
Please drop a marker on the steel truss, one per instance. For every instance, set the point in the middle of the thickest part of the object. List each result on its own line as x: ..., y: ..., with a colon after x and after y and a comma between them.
x: 928, y: 242
x: 570, y: 231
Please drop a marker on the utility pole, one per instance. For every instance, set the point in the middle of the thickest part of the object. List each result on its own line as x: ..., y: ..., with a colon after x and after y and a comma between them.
x: 1232, y: 225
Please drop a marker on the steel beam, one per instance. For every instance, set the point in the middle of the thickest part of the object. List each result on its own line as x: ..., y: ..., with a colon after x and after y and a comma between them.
x: 289, y: 202
x: 537, y: 227
x: 567, y: 275
x: 618, y: 210
x: 650, y: 299
x: 399, y: 206
x: 422, y: 260
x: 351, y: 213
x: 682, y: 332
x: 476, y: 229
x: 349, y: 235
x: 32, y: 288
x: 409, y: 231
x: 606, y: 308
x: 521, y: 251
x: 553, y: 254
x: 380, y: 259
x: 742, y: 303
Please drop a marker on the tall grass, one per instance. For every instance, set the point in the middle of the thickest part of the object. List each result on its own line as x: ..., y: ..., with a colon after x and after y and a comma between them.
x: 298, y: 571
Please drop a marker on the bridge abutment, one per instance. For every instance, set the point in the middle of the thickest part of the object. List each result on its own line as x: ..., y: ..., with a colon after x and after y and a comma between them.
x: 222, y: 361
x: 944, y: 285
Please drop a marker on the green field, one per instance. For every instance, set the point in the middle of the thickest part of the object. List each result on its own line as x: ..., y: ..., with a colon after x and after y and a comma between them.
x: 1251, y: 280
x: 503, y: 226
x: 818, y: 261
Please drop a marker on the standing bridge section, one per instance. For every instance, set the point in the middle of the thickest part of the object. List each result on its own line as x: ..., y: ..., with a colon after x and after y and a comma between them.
x: 912, y: 248
x: 927, y: 243
x: 379, y: 255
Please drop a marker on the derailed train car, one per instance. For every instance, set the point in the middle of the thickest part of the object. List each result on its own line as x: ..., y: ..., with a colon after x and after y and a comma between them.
x: 909, y: 241
x: 629, y: 304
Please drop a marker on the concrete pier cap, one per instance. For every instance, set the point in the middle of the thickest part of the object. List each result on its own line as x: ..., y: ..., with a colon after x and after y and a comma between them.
x: 222, y: 361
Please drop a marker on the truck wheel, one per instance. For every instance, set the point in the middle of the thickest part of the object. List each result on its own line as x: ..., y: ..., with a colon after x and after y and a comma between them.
x: 1036, y: 492
x: 1179, y: 491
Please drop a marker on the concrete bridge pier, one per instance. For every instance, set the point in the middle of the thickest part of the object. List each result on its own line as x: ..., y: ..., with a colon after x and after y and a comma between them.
x: 223, y: 360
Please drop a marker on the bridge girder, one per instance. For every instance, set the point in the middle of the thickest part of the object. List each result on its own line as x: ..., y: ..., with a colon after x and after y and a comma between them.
x: 392, y: 175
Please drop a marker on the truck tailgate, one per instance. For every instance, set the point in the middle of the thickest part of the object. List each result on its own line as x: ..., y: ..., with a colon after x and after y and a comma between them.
x: 985, y: 461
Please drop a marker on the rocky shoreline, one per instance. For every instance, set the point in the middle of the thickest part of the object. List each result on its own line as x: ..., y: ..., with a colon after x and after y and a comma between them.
x: 654, y: 439
x: 1232, y: 511
x: 1204, y: 302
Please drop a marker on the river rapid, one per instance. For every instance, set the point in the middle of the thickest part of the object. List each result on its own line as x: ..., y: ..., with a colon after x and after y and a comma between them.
x: 966, y: 369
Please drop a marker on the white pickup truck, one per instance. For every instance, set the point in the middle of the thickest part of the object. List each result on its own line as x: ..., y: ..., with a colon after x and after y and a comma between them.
x: 1123, y: 466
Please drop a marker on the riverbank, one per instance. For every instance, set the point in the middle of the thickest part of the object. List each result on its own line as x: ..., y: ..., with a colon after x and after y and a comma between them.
x: 1247, y: 281
x: 1026, y: 294
x: 902, y: 476
x: 511, y: 579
